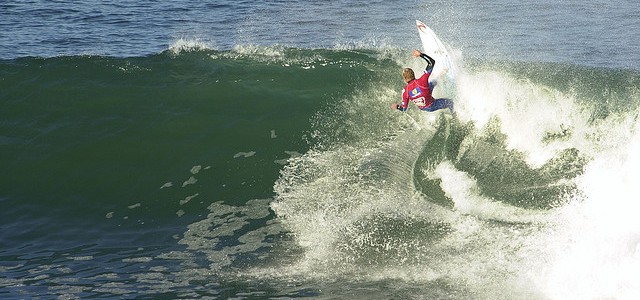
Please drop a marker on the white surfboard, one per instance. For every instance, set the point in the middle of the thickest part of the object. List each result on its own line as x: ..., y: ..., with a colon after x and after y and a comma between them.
x: 434, y: 47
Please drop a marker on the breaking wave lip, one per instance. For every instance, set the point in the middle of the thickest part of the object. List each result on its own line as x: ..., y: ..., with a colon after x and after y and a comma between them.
x: 184, y: 45
x: 275, y: 54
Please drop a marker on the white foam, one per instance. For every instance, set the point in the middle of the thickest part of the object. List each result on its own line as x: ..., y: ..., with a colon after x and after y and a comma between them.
x: 527, y: 112
x: 189, y: 45
x: 196, y: 169
x: 188, y: 198
x: 463, y: 190
x: 244, y: 154
x: 596, y: 251
x: 590, y: 248
x: 190, y: 181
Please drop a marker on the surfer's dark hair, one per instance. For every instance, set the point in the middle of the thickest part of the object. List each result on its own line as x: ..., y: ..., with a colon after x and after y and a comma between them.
x: 408, y: 74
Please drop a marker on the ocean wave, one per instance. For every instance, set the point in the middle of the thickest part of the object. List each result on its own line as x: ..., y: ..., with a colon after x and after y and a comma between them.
x: 356, y: 191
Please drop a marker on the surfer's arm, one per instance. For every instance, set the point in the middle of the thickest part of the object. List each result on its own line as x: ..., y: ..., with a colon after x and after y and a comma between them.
x: 405, y: 102
x: 430, y: 61
x: 402, y: 106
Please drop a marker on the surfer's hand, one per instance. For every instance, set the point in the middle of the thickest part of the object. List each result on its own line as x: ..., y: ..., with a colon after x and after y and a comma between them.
x: 396, y: 106
x: 416, y: 53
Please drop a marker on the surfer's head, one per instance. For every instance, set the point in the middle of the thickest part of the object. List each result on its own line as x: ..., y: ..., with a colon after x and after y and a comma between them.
x: 408, y: 75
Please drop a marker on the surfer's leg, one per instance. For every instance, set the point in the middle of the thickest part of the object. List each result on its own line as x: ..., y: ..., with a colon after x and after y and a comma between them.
x: 440, y: 104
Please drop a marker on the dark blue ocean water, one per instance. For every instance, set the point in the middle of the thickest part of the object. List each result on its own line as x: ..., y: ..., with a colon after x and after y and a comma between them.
x: 593, y: 33
x: 246, y: 150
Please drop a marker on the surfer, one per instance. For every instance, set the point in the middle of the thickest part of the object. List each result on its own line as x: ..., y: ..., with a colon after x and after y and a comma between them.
x: 419, y: 90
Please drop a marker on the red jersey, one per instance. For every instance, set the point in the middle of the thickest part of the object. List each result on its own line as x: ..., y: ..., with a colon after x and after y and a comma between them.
x: 418, y: 91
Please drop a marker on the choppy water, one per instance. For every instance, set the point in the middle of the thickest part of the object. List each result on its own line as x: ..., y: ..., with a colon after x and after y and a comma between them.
x: 247, y: 149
